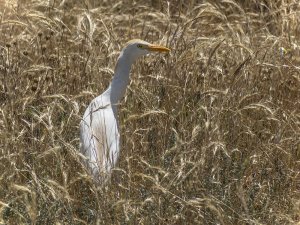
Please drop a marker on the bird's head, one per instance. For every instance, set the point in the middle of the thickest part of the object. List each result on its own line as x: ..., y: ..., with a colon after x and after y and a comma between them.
x: 136, y: 48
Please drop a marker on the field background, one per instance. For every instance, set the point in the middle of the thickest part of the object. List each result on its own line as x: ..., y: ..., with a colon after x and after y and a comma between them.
x: 210, y: 132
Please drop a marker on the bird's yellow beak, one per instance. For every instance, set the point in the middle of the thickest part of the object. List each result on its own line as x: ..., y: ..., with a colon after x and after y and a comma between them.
x: 157, y: 48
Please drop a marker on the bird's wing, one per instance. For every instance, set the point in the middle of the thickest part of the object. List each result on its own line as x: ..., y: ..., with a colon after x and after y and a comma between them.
x: 99, y: 136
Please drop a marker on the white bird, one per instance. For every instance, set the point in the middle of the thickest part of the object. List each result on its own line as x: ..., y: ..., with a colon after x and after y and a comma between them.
x: 99, y: 130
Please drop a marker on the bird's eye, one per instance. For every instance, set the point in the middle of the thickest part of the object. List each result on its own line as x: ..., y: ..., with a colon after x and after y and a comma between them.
x: 140, y: 46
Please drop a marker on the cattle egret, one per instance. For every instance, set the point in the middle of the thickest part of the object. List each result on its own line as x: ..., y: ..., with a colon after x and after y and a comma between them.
x: 99, y: 130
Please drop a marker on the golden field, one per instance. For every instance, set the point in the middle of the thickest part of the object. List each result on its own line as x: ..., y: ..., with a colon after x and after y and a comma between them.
x: 210, y: 132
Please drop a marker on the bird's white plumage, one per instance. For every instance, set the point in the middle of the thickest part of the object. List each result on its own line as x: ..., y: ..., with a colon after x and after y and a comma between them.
x: 99, y: 133
x: 99, y: 130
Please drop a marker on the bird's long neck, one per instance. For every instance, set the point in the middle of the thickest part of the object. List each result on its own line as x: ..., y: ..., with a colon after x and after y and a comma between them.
x: 120, y: 80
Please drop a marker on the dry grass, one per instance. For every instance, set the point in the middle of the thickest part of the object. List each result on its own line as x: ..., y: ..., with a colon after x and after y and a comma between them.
x: 210, y: 132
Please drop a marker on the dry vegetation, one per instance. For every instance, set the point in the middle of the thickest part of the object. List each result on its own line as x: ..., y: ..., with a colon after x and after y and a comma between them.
x: 210, y: 132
